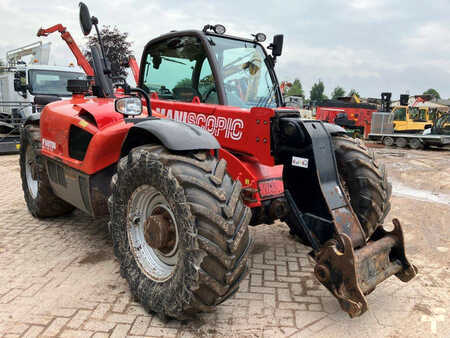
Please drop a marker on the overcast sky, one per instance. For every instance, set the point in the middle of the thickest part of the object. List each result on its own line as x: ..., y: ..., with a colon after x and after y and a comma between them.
x: 369, y: 45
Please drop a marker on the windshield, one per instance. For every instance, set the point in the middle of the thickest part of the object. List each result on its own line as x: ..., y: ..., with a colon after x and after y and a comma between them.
x: 247, y: 80
x: 51, y: 82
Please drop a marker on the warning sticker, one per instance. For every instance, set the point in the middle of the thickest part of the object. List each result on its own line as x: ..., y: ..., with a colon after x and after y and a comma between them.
x: 299, y: 162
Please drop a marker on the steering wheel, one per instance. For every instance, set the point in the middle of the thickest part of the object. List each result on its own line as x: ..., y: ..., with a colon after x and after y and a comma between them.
x: 210, y: 90
x: 227, y: 87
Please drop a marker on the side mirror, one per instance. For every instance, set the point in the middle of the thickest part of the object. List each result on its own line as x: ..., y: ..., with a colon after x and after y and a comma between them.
x: 277, y: 45
x: 85, y: 19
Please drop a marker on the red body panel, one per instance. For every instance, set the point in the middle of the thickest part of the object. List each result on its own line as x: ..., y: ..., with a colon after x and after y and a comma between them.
x: 104, y: 148
x: 238, y: 130
x: 243, y: 134
x: 361, y: 116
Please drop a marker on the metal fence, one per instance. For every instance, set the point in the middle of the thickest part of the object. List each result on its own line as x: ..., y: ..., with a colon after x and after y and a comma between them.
x: 382, y: 123
x: 13, y: 114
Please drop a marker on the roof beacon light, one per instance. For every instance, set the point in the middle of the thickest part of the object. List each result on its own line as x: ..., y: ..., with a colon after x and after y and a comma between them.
x: 260, y: 37
x: 218, y: 29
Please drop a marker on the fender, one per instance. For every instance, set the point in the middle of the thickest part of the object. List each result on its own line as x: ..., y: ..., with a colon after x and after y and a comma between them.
x: 174, y: 135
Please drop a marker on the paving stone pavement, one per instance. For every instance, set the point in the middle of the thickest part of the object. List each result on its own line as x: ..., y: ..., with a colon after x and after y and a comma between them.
x: 59, y: 277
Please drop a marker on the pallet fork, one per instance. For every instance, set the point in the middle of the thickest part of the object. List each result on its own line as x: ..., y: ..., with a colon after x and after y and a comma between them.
x: 348, y: 262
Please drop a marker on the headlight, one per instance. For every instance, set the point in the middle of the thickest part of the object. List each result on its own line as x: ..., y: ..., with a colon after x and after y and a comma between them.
x: 129, y: 106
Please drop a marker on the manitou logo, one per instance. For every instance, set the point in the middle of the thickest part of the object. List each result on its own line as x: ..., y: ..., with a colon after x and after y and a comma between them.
x: 217, y: 125
x: 48, y: 145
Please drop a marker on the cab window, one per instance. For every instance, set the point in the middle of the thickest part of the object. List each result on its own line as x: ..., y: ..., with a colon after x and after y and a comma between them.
x: 400, y: 114
x: 422, y: 115
x: 414, y: 113
x: 178, y: 69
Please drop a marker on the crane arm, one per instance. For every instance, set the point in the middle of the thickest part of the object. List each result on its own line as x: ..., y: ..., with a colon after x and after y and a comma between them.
x: 132, y: 63
x: 65, y: 35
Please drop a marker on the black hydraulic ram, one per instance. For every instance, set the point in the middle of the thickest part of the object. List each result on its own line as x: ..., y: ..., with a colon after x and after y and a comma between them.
x: 349, y: 262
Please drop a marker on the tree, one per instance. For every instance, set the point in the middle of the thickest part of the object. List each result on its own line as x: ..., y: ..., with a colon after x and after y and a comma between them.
x: 353, y: 92
x: 317, y: 92
x: 433, y: 92
x: 186, y: 82
x: 117, y: 48
x: 337, y: 92
x: 296, y: 89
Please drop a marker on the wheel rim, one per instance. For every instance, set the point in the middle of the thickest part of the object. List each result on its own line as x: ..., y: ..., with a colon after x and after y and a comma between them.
x: 145, y: 205
x: 31, y: 182
x: 388, y: 141
x: 415, y: 143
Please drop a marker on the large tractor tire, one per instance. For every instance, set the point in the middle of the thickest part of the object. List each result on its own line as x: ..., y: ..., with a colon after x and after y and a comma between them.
x: 179, y: 229
x: 39, y: 196
x: 365, y: 183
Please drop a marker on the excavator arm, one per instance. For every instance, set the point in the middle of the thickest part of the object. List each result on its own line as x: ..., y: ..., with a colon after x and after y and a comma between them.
x: 67, y: 37
x: 132, y: 63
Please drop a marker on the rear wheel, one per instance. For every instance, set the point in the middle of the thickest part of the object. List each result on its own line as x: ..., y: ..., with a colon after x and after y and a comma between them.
x: 38, y: 193
x: 415, y: 143
x: 179, y: 229
x: 365, y: 182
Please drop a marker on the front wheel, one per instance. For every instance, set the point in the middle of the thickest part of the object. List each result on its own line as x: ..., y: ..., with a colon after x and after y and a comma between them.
x: 180, y: 230
x: 365, y: 182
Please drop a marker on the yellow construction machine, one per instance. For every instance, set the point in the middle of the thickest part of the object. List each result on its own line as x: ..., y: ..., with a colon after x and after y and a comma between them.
x: 418, y: 116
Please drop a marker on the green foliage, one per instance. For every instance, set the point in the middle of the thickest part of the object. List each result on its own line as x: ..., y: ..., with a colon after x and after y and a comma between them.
x: 186, y: 82
x: 317, y: 92
x: 117, y: 48
x: 337, y: 92
x: 433, y: 92
x: 296, y: 89
x: 353, y: 92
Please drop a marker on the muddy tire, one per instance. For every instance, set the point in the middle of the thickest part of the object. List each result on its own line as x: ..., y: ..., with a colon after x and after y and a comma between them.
x: 365, y: 182
x: 38, y: 193
x: 207, y: 244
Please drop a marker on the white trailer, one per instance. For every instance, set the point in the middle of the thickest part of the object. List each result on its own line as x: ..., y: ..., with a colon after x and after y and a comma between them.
x: 382, y: 130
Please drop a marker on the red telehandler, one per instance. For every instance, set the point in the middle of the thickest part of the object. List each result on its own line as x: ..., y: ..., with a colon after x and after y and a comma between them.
x: 211, y: 151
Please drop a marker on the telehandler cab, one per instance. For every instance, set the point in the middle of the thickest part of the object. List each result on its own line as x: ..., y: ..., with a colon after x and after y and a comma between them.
x: 200, y: 150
